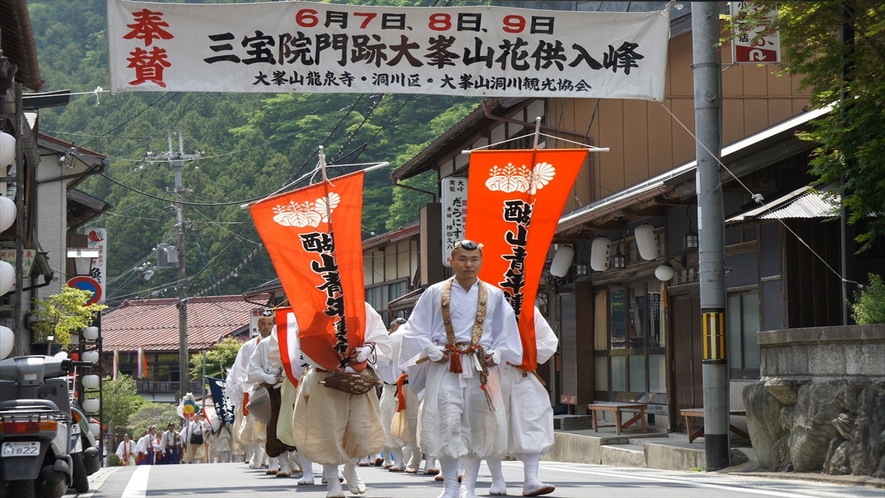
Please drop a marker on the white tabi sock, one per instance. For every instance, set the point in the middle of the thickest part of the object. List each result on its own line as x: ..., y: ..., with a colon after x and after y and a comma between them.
x: 330, y: 474
x: 450, y: 468
x: 307, y: 478
x: 532, y: 485
x: 499, y: 485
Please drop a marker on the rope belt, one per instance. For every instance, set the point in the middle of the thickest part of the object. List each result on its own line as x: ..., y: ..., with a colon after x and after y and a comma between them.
x: 474, y: 346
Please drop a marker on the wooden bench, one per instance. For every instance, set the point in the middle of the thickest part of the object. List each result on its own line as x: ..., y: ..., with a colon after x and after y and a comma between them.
x: 617, y: 408
x: 690, y: 413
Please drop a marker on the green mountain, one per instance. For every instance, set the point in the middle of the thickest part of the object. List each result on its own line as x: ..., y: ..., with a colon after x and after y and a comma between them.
x: 252, y: 146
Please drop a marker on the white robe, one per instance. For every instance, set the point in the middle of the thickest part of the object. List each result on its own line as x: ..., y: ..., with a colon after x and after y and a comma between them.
x: 126, y: 452
x: 243, y: 424
x: 529, y: 414
x: 390, y: 372
x: 456, y: 419
x: 334, y: 427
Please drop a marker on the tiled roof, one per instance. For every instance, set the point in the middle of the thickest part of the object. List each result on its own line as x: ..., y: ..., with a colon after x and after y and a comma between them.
x: 154, y: 323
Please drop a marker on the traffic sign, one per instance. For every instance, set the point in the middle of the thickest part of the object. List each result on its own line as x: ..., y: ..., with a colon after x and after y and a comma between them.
x: 87, y: 284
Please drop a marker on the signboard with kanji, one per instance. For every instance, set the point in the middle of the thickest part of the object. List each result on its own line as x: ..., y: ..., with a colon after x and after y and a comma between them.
x: 334, y: 48
x: 756, y: 46
x: 97, y: 238
x: 454, y: 213
x: 28, y: 256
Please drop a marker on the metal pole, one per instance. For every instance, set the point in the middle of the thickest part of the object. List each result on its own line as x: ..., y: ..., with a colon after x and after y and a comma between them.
x: 707, y: 100
x: 183, y: 359
x: 203, y: 384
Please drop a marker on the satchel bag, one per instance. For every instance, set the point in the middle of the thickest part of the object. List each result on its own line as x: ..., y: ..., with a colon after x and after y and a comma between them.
x: 197, y: 438
x: 351, y: 382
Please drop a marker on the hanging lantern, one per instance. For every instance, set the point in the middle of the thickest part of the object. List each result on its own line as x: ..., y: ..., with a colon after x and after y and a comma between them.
x: 562, y: 261
x: 7, y: 277
x: 90, y: 356
x: 91, y: 405
x: 599, y: 253
x: 7, y: 341
x: 7, y: 212
x: 90, y: 381
x: 90, y: 334
x: 7, y: 149
x: 646, y: 242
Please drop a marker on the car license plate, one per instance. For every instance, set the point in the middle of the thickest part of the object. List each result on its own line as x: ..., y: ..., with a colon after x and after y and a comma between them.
x: 20, y: 448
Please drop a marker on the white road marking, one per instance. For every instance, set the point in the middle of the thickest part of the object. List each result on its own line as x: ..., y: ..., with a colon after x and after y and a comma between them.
x: 728, y: 487
x: 138, y: 483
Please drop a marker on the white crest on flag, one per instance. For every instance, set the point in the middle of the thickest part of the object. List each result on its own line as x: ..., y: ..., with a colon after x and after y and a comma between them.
x: 512, y: 178
x: 306, y: 213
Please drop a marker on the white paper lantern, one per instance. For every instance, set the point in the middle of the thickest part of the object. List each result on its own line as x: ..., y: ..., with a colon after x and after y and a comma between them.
x: 90, y: 356
x: 646, y: 242
x: 91, y: 405
x: 600, y: 250
x: 7, y: 149
x: 95, y: 429
x: 7, y: 277
x: 90, y: 333
x: 664, y: 272
x: 562, y: 260
x: 7, y: 341
x: 7, y: 212
x: 90, y: 381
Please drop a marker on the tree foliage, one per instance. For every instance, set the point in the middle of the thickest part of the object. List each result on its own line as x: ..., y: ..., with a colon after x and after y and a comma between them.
x: 849, y: 77
x: 120, y: 400
x: 63, y: 313
x: 158, y: 415
x: 869, y: 304
x: 218, y: 360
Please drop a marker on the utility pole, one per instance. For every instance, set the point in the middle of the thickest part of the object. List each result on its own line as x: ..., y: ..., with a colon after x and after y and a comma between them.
x: 711, y: 230
x: 176, y: 161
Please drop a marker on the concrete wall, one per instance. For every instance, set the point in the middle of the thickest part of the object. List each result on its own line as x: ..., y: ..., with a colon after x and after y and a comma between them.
x: 824, y: 353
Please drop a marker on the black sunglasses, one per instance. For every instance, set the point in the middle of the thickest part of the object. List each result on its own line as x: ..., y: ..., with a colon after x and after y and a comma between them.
x: 467, y: 245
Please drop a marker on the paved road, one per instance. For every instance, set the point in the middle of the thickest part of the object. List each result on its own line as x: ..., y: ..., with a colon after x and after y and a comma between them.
x: 236, y: 480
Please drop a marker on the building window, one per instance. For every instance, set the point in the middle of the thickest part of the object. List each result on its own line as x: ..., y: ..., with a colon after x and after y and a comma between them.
x: 743, y: 324
x: 379, y: 295
x: 636, y: 346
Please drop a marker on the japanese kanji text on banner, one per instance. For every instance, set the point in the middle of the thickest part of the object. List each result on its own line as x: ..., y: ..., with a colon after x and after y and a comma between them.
x: 523, y: 193
x: 332, y: 48
x: 313, y: 237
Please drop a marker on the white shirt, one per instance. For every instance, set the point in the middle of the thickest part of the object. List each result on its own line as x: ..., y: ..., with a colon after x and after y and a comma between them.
x: 234, y: 383
x: 427, y: 331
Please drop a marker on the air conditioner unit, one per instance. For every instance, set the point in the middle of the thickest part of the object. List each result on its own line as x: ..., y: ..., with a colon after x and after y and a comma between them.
x: 167, y: 256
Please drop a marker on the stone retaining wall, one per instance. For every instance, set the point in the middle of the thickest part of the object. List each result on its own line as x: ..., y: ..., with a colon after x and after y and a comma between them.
x: 820, y: 405
x: 822, y: 353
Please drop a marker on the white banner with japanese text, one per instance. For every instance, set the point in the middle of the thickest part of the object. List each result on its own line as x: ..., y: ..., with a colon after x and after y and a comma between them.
x: 313, y: 47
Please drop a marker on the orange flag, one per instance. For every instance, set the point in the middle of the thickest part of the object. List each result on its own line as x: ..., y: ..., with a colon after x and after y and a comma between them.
x: 514, y: 201
x: 313, y: 237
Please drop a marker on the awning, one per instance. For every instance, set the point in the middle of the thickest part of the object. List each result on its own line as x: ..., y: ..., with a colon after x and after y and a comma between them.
x: 806, y: 202
x: 668, y: 181
x: 406, y: 302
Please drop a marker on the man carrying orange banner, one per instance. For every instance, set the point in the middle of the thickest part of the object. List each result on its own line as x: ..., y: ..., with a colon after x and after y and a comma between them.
x: 313, y: 237
x: 522, y: 194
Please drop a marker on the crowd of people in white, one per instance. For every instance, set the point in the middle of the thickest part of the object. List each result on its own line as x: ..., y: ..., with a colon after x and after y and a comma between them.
x: 451, y: 395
